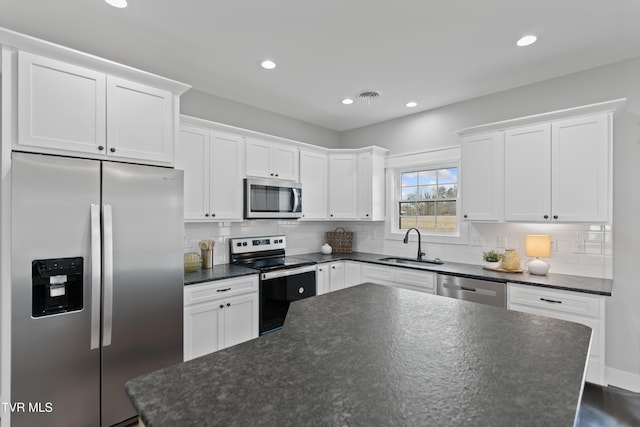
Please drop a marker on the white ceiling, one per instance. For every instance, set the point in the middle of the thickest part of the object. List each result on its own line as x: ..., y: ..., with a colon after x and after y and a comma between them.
x: 432, y: 52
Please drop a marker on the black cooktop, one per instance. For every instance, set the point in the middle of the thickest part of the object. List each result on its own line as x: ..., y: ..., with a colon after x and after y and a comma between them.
x: 274, y: 263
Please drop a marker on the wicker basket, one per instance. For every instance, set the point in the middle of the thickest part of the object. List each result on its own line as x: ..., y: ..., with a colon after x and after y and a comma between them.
x: 340, y: 240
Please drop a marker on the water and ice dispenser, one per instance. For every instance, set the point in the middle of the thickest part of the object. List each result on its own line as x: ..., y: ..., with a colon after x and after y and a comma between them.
x: 56, y: 286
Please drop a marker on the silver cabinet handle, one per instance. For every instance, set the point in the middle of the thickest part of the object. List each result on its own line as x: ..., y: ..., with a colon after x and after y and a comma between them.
x: 551, y: 300
x: 96, y: 265
x: 108, y: 275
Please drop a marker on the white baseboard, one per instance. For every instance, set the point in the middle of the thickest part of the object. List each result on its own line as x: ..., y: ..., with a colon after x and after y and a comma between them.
x: 622, y: 379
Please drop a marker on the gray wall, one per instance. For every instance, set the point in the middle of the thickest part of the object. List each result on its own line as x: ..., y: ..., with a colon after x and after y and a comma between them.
x: 437, y: 128
x: 209, y: 107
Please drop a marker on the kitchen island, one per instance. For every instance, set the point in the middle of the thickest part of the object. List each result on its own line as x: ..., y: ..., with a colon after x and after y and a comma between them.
x: 377, y: 355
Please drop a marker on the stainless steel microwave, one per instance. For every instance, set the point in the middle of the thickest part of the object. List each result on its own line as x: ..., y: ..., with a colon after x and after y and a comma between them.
x: 268, y: 198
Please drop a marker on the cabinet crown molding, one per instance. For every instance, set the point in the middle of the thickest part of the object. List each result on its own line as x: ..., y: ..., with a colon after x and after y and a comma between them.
x: 599, y: 107
x: 18, y: 41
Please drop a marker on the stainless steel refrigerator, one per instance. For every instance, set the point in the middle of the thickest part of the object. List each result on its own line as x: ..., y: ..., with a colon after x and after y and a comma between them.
x: 97, y: 285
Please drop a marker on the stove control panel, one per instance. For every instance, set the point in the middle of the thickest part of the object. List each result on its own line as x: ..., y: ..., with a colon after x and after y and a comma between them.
x: 241, y: 245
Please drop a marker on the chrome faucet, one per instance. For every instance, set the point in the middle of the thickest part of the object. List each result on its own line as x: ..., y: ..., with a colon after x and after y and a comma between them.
x: 406, y: 240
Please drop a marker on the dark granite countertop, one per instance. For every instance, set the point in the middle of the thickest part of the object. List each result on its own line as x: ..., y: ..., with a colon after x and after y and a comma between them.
x: 377, y: 355
x: 592, y: 285
x: 218, y: 272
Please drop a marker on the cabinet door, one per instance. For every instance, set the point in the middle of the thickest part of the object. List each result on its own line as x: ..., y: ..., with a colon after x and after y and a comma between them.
x: 322, y: 279
x: 336, y: 276
x: 285, y: 162
x: 258, y: 158
x: 364, y: 201
x: 378, y: 274
x: 240, y: 319
x: 203, y: 329
x: 226, y: 176
x: 140, y: 122
x: 482, y: 174
x: 313, y: 176
x: 61, y: 106
x: 192, y: 156
x: 343, y: 186
x: 352, y: 273
x: 527, y: 173
x: 580, y: 169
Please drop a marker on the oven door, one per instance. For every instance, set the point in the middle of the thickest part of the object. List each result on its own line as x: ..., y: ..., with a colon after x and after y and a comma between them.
x: 265, y: 198
x: 278, y: 289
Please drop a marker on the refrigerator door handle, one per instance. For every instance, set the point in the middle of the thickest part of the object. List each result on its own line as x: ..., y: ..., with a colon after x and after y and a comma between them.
x: 108, y: 275
x: 96, y: 266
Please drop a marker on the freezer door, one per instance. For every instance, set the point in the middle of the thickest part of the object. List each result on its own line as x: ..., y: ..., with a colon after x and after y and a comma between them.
x: 143, y: 278
x: 54, y: 370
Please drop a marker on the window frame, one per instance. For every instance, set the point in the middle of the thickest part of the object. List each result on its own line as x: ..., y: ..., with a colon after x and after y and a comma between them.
x: 394, y: 194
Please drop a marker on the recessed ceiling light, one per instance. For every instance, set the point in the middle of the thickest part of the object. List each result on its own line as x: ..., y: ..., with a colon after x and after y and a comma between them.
x: 268, y: 64
x: 411, y: 104
x: 527, y: 40
x: 117, y: 3
x: 347, y: 101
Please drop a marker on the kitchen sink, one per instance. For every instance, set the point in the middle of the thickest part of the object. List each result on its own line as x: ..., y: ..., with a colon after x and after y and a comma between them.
x: 411, y: 261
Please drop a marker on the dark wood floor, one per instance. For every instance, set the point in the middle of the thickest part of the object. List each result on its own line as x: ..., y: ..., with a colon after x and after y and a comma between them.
x: 608, y: 407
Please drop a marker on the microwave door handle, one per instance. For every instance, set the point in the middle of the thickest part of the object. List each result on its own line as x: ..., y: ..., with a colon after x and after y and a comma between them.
x: 296, y: 199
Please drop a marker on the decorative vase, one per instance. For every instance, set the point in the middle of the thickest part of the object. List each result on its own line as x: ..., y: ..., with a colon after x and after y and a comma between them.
x: 326, y: 249
x: 510, y: 260
x: 192, y: 262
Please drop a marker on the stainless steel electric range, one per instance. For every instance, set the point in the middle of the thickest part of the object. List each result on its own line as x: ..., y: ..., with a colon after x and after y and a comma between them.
x: 283, y: 279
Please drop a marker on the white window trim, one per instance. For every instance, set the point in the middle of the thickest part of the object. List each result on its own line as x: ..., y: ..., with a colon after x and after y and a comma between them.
x: 426, y: 160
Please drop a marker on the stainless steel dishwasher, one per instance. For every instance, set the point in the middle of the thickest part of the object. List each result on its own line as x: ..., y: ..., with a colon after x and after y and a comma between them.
x: 475, y: 290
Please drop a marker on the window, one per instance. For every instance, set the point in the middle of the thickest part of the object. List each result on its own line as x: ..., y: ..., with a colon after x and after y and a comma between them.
x: 428, y: 200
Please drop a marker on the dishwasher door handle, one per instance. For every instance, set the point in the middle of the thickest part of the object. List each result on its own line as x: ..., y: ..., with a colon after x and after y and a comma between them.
x: 464, y: 288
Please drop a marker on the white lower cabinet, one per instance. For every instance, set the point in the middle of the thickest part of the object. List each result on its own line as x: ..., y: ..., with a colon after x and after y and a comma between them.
x: 219, y: 314
x: 337, y: 275
x: 417, y: 280
x: 587, y: 309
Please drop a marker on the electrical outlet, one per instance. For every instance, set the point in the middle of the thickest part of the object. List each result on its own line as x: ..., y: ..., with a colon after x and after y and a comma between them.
x: 188, y: 243
x: 554, y: 245
x: 476, y: 240
x: 500, y: 241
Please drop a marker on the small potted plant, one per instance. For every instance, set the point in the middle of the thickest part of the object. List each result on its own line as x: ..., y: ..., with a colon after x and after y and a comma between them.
x: 491, y: 259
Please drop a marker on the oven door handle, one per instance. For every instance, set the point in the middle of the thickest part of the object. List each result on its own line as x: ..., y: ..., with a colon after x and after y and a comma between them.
x: 287, y: 272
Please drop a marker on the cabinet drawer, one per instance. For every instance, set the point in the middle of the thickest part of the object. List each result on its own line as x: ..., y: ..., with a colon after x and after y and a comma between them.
x: 556, y: 301
x: 195, y: 294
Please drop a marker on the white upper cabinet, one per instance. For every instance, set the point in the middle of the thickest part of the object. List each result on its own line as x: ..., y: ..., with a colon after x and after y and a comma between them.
x: 371, y: 188
x: 193, y: 157
x: 357, y: 184
x: 343, y: 186
x: 226, y: 176
x: 140, y: 122
x: 71, y: 110
x: 580, y: 169
x: 558, y: 171
x: 271, y: 160
x: 212, y: 164
x: 61, y: 106
x: 527, y: 173
x: 313, y: 176
x: 482, y: 175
